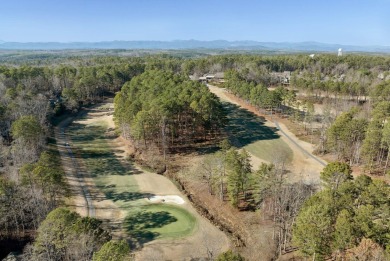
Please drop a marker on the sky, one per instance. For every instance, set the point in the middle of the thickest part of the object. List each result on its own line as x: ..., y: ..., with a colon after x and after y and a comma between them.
x: 354, y: 22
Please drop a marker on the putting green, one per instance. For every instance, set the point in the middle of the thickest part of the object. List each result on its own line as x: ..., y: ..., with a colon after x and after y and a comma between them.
x: 159, y: 221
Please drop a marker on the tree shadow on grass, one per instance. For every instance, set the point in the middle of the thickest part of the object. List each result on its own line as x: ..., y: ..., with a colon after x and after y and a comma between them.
x: 246, y: 127
x: 126, y: 196
x: 109, y: 165
x: 139, y: 224
x: 91, y: 144
x: 86, y: 133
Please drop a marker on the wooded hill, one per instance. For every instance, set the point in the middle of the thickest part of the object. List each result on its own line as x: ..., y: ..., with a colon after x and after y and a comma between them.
x: 167, y: 110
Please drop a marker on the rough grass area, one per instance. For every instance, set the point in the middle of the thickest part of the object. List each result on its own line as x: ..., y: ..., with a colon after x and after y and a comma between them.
x: 247, y: 130
x: 115, y: 178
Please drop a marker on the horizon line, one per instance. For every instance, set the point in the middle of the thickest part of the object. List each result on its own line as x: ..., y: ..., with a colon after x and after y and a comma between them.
x: 176, y: 40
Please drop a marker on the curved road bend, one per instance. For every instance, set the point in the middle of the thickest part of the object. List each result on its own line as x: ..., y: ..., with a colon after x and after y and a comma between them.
x: 62, y: 140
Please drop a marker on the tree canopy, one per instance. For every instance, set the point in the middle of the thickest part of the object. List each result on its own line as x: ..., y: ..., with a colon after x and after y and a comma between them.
x: 167, y: 109
x: 64, y: 235
x: 341, y: 217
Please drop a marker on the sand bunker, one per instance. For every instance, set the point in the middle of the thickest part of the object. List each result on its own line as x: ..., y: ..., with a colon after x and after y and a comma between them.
x: 167, y: 199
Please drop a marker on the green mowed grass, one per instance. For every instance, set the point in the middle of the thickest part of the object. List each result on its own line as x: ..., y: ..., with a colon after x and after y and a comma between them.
x: 156, y: 221
x: 115, y: 178
x: 270, y: 150
x: 254, y: 136
x: 92, y: 144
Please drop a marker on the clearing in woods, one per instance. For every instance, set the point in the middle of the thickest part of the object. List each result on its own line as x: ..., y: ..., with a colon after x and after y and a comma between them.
x: 125, y: 196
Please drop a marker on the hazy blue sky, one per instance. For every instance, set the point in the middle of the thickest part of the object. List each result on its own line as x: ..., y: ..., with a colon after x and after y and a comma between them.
x: 360, y: 22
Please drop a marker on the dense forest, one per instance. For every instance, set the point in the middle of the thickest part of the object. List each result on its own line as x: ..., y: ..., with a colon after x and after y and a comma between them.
x: 157, y: 106
x: 32, y: 180
x: 167, y: 110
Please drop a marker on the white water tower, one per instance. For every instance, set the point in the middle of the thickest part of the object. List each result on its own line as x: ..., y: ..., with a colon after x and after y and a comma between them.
x: 340, y: 52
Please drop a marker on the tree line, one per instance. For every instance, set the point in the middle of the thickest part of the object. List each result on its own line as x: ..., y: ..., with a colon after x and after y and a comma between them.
x: 359, y: 140
x: 257, y: 93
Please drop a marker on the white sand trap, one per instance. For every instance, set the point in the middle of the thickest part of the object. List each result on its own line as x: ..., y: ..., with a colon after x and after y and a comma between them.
x: 167, y: 199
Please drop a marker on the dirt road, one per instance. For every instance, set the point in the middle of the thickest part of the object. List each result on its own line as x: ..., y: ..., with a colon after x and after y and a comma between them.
x: 80, y: 193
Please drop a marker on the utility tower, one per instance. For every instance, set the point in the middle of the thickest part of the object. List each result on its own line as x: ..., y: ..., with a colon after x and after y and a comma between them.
x: 340, y: 52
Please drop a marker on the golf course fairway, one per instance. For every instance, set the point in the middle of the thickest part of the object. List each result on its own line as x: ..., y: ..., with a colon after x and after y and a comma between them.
x: 113, y: 176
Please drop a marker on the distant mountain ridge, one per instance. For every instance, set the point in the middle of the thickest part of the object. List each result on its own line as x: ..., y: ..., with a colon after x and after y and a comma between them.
x: 194, y: 44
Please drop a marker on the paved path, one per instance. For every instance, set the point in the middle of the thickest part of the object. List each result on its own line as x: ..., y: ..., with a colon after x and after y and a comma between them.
x: 299, y: 146
x: 72, y: 168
